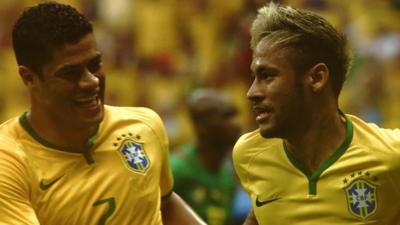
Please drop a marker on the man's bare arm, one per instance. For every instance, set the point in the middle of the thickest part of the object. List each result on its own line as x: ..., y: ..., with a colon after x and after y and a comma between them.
x: 175, y: 211
x: 251, y: 219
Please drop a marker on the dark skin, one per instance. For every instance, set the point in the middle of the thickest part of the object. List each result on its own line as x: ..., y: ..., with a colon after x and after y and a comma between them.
x: 251, y: 219
x: 176, y: 212
x: 67, y: 101
x: 211, y: 162
x: 67, y: 96
x: 213, y: 117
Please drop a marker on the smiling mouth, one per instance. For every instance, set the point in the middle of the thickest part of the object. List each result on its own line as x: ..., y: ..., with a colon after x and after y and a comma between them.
x: 262, y: 116
x: 90, y: 102
x: 262, y: 113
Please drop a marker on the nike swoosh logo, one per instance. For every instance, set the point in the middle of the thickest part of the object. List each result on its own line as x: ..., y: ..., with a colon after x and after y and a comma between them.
x: 44, y: 186
x: 261, y: 203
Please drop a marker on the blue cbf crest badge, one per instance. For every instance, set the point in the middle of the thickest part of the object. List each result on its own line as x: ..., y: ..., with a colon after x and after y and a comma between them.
x: 361, y: 198
x: 135, y: 156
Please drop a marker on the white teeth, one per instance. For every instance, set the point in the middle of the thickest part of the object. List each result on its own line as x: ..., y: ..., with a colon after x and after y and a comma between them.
x: 87, y: 100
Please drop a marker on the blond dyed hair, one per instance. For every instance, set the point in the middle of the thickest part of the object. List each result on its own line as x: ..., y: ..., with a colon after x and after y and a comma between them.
x: 311, y: 38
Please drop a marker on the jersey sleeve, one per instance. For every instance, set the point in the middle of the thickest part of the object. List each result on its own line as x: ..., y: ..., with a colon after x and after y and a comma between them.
x: 388, y: 141
x: 395, y: 157
x: 179, y: 170
x: 15, y: 206
x: 240, y: 162
x: 166, y: 178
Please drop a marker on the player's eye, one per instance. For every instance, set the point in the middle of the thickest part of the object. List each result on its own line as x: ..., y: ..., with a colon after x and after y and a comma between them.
x: 264, y: 74
x: 95, y: 66
x: 70, y: 73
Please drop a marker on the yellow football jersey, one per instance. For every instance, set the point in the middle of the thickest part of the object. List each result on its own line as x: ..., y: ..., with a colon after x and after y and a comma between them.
x: 121, y: 179
x: 358, y: 184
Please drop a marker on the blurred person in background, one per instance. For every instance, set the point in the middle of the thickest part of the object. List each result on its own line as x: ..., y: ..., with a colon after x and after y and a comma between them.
x: 308, y: 162
x: 71, y: 159
x: 203, y: 172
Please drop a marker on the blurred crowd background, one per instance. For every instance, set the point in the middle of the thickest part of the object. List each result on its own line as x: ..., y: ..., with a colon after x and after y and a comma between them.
x: 158, y: 51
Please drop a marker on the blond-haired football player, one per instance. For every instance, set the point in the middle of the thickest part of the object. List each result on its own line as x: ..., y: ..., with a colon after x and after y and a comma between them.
x: 309, y: 163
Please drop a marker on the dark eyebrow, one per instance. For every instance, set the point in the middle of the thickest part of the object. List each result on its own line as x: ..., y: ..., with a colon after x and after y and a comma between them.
x: 97, y: 58
x: 66, y: 68
x: 264, y: 68
x: 71, y: 67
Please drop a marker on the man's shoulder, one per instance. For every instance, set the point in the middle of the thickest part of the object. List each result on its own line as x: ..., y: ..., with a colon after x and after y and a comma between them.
x: 381, y: 142
x: 8, y: 144
x: 130, y: 112
x: 9, y: 133
x: 254, y: 140
x: 372, y: 133
x: 119, y: 117
x: 249, y: 137
x: 252, y: 152
x: 251, y: 144
x: 133, y: 114
x: 11, y: 153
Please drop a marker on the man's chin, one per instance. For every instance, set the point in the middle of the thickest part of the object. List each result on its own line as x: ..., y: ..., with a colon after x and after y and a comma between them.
x: 93, y: 119
x: 267, y: 132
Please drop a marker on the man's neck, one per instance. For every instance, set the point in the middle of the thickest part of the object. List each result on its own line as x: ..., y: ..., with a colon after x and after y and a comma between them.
x: 323, y: 137
x: 211, y: 157
x: 61, y: 134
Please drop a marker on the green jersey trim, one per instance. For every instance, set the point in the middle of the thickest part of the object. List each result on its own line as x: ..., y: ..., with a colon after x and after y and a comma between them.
x: 23, y: 119
x: 313, y: 176
x: 164, y: 197
x: 111, y: 209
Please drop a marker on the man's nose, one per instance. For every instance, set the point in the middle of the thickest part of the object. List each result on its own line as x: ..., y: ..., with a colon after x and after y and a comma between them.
x: 89, y: 80
x: 255, y: 92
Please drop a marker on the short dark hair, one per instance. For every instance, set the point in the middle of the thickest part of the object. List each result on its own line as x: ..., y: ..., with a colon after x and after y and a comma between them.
x: 311, y: 39
x: 44, y: 27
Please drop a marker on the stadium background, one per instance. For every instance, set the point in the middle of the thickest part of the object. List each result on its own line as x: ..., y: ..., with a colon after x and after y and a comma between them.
x: 157, y: 51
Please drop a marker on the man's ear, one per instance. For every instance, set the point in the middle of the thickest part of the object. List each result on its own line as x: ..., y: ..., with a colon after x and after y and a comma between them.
x: 318, y: 77
x: 26, y: 74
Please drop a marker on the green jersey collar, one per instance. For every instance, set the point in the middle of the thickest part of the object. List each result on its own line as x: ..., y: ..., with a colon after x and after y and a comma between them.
x: 23, y: 119
x: 313, y: 176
